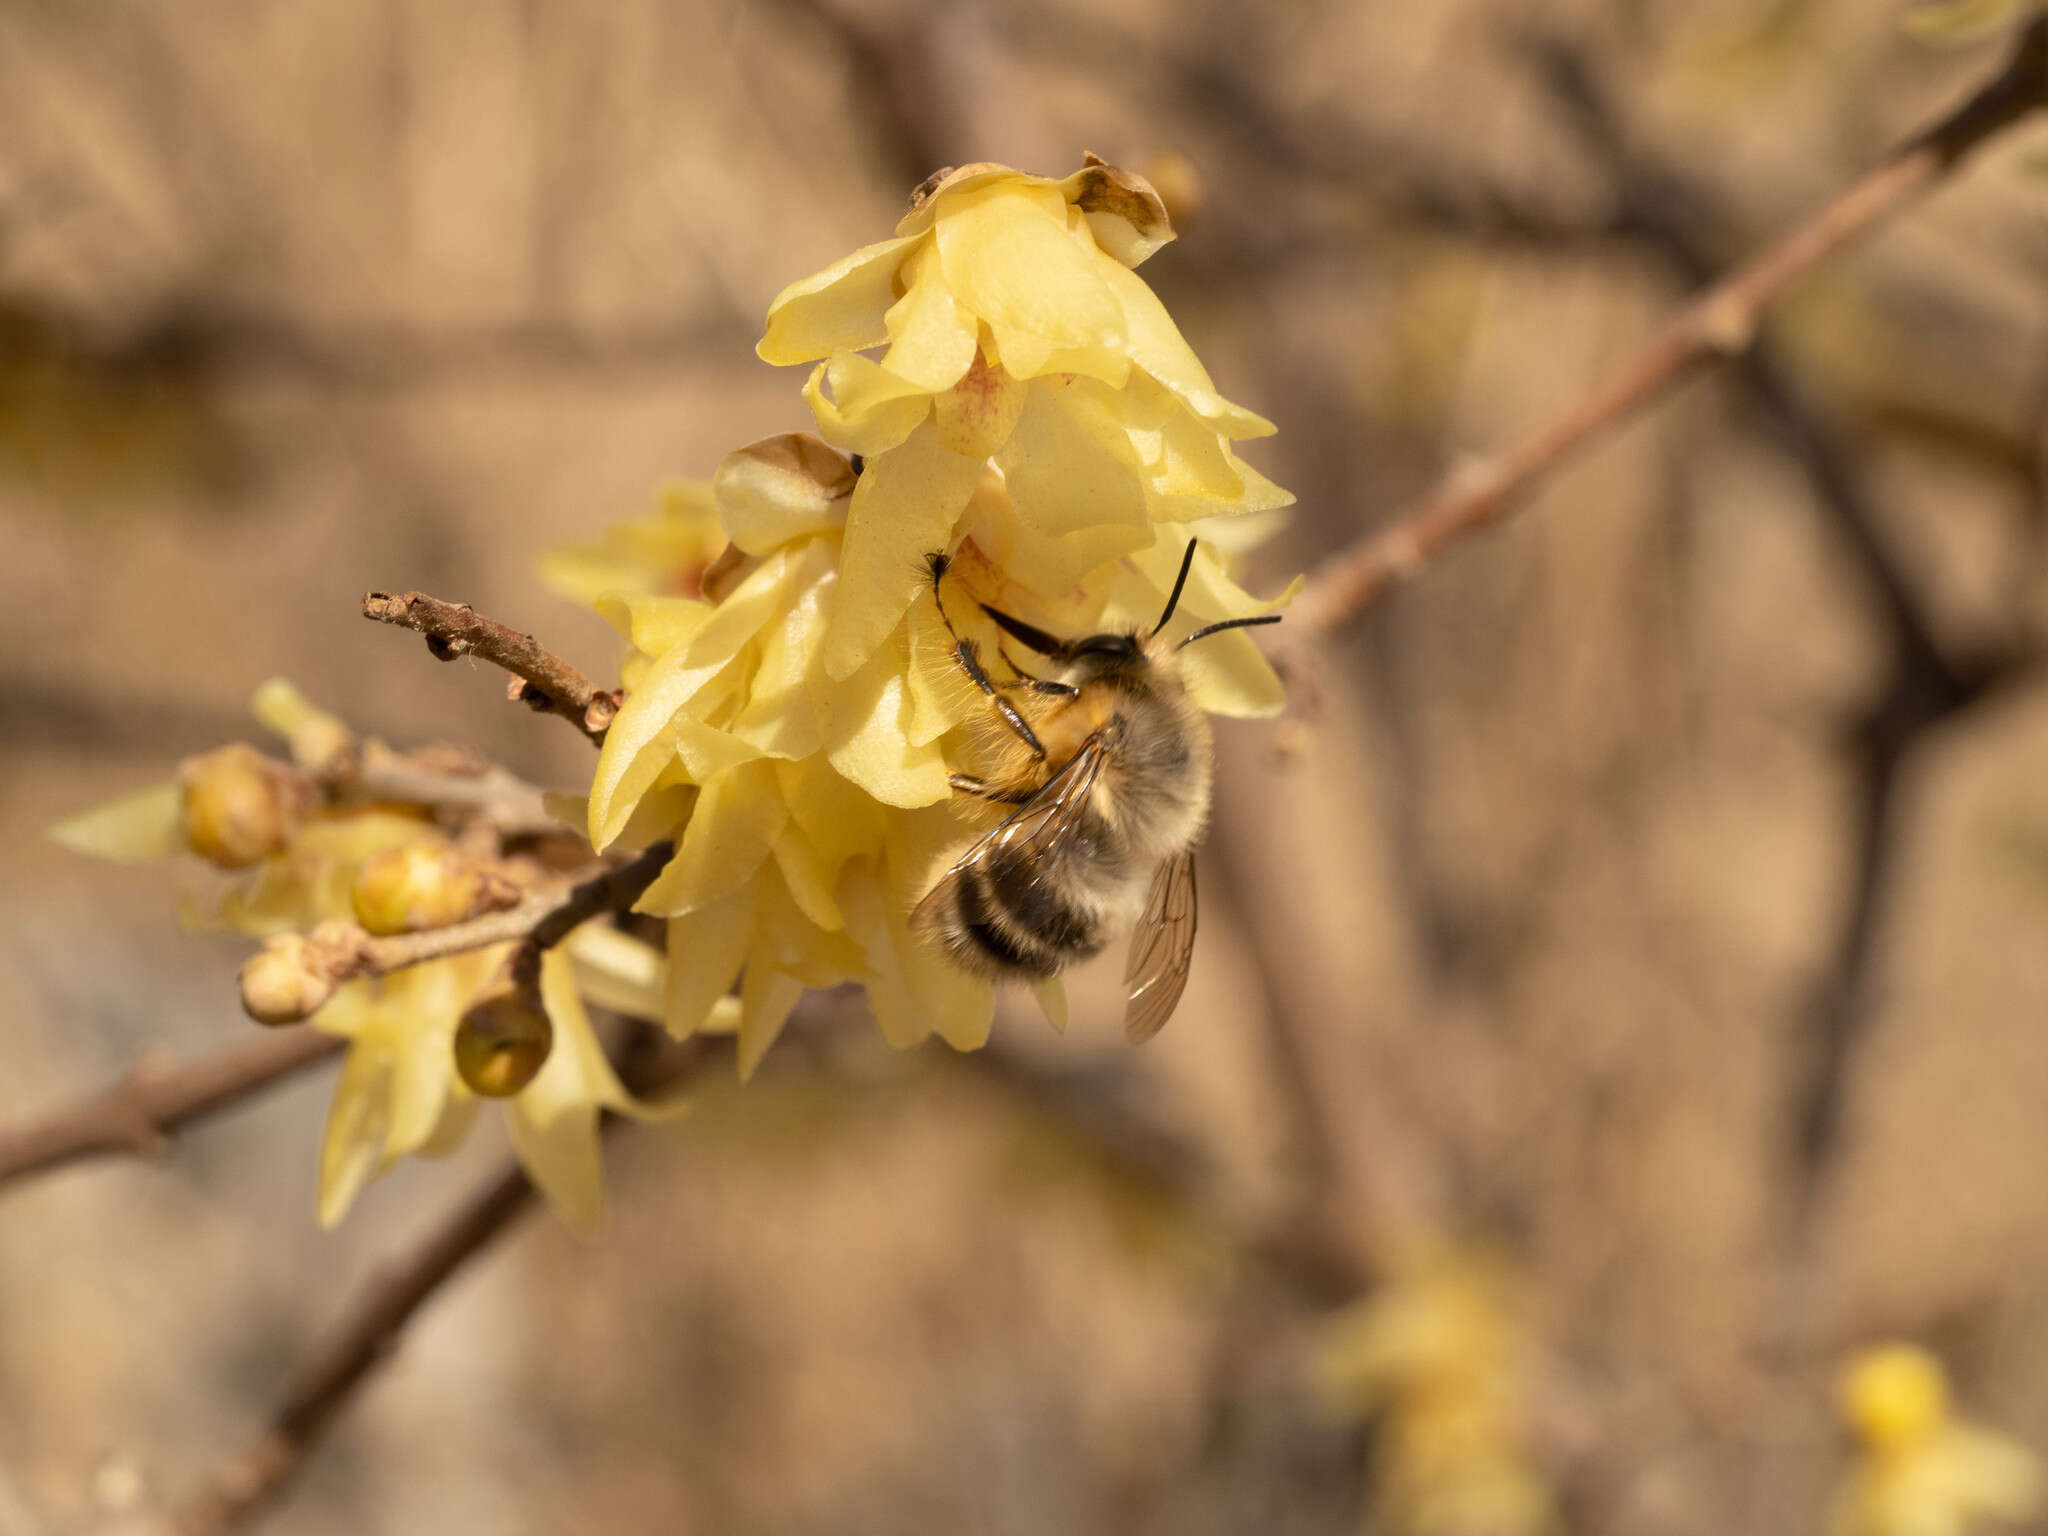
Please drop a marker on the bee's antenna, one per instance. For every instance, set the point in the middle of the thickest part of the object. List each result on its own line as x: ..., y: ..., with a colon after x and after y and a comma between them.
x: 1187, y: 562
x: 1210, y: 629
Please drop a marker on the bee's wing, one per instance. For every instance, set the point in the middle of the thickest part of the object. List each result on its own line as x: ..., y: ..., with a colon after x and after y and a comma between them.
x: 1161, y: 946
x: 1036, y: 831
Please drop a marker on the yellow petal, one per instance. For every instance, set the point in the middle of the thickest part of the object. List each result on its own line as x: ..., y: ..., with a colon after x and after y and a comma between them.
x: 1157, y: 346
x: 653, y: 624
x: 617, y: 971
x: 642, y: 739
x: 809, y: 878
x: 780, y: 717
x: 837, y: 310
x: 1070, y: 464
x: 863, y: 407
x: 352, y: 1149
x: 868, y: 736
x: 976, y: 416
x: 958, y: 1006
x: 766, y: 998
x: 904, y: 508
x: 1052, y: 1002
x: 1123, y: 211
x: 135, y: 829
x: 734, y: 826
x: 924, y: 202
x: 1008, y: 258
x: 419, y: 1009
x: 706, y: 949
x: 837, y: 818
x: 780, y: 489
x: 933, y: 337
x: 898, y: 1015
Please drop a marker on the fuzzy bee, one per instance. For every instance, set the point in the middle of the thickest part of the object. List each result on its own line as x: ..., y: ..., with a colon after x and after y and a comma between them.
x: 1111, y: 794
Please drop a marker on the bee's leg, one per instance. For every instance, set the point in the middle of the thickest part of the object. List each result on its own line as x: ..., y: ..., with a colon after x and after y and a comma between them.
x: 1036, y: 683
x: 968, y: 784
x: 965, y: 653
x: 970, y: 663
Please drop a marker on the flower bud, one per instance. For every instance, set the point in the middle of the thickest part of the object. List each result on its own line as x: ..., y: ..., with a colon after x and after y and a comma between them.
x: 425, y: 885
x: 285, y: 981
x: 238, y: 806
x: 502, y: 1043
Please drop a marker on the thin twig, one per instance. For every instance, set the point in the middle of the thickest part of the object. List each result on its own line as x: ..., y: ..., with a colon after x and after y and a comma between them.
x: 294, y: 974
x: 1721, y: 323
x: 138, y: 1115
x: 543, y: 679
x: 371, y: 1330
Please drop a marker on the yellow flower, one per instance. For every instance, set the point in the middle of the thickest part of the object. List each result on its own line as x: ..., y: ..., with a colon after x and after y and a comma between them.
x: 1438, y: 1359
x: 1015, y: 331
x: 1919, y: 1470
x: 399, y: 1093
x: 812, y: 807
x: 666, y: 553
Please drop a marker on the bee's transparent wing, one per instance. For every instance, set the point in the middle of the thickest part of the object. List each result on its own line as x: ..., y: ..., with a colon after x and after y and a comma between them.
x: 1034, y: 833
x: 1162, y: 945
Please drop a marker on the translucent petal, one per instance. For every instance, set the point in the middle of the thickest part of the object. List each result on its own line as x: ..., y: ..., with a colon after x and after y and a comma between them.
x: 1156, y: 345
x: 641, y: 740
x: 135, y: 829
x: 352, y: 1149
x: 705, y: 951
x: 780, y: 717
x: 834, y: 815
x: 766, y: 998
x: 652, y: 624
x: 1024, y: 355
x: 976, y: 416
x: 617, y: 971
x: 285, y: 711
x: 868, y: 736
x: 933, y: 337
x: 961, y: 178
x: 1052, y: 1002
x: 1008, y: 259
x: 958, y: 1006
x: 837, y: 310
x: 734, y: 826
x: 861, y: 406
x: 905, y: 508
x: 1123, y: 212
x: 780, y: 489
x: 898, y: 1017
x: 1070, y: 464
x: 418, y: 1010
x: 808, y: 876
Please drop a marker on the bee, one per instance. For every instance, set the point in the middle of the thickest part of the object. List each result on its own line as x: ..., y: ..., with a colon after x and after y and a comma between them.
x: 1111, y: 798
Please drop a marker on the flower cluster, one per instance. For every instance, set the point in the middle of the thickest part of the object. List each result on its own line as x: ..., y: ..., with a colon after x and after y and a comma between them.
x: 1034, y: 411
x: 1918, y: 1469
x: 303, y: 849
x: 1439, y: 1361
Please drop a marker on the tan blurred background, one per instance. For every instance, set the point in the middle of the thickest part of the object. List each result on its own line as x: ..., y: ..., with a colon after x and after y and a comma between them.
x: 1664, y: 888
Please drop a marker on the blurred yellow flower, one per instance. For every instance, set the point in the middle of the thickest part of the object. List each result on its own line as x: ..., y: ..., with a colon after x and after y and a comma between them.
x: 1918, y: 1469
x: 1015, y: 330
x: 398, y: 1092
x: 1442, y: 1365
x: 666, y: 553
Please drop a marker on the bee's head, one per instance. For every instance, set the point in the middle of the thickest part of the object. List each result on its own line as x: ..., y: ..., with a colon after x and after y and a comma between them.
x: 1094, y: 656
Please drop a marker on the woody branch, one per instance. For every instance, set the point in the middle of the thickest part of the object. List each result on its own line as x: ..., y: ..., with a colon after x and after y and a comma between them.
x: 1720, y: 324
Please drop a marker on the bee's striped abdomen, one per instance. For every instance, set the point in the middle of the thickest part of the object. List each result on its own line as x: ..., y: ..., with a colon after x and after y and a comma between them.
x: 1011, y: 919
